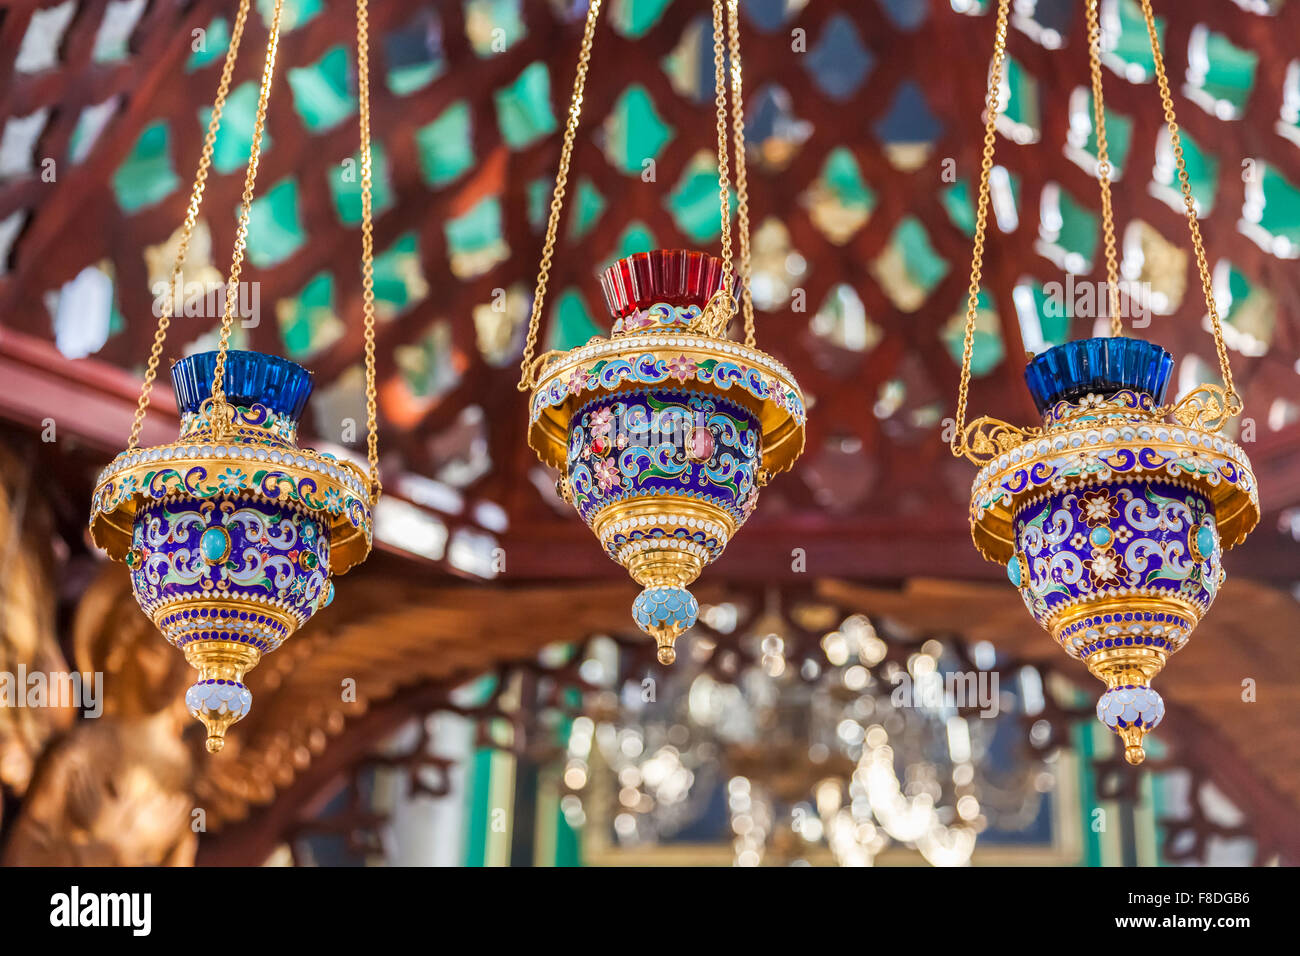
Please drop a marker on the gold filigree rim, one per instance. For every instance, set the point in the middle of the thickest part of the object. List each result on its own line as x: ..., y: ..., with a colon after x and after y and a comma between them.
x: 349, y: 544
x: 782, y: 433
x: 1236, y: 509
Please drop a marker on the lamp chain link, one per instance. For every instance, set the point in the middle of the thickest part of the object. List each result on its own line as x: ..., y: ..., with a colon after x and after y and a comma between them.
x: 220, y: 411
x: 367, y: 246
x: 981, y: 219
x: 1232, y: 399
x: 721, y: 305
x: 191, y: 220
x: 528, y: 374
x: 742, y: 177
x: 1103, y: 168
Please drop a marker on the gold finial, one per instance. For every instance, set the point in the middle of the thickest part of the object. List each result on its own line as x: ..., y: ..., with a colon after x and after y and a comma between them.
x: 667, y: 653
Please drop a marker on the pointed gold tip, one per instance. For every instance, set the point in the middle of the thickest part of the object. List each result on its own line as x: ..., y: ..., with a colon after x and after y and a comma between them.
x: 1134, y: 754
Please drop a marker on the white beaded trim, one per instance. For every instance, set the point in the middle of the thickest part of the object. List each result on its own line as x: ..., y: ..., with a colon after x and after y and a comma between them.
x: 627, y: 343
x: 666, y: 544
x: 1077, y: 440
x: 665, y: 520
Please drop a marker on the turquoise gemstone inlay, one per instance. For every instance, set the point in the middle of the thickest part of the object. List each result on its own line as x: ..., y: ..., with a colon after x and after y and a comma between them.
x: 1101, y: 537
x: 1013, y: 570
x: 214, y: 545
x: 1205, y: 541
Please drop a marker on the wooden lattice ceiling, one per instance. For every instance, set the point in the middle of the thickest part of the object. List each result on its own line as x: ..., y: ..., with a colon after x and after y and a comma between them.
x: 858, y: 109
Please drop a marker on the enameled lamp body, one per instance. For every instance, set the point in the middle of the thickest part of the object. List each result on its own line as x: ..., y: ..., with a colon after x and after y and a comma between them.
x: 1112, y: 521
x: 663, y: 434
x: 232, y: 532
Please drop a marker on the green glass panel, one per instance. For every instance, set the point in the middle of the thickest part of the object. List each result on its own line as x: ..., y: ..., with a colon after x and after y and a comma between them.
x: 146, y: 175
x: 1051, y: 314
x: 1131, y: 53
x: 321, y: 93
x: 844, y: 178
x: 274, y: 229
x: 446, y: 145
x: 524, y: 107
x: 987, y: 348
x: 413, y: 53
x: 924, y: 265
x: 572, y: 324
x: 590, y: 204
x: 345, y: 185
x: 404, y: 80
x: 637, y: 237
x: 235, y: 137
x: 1119, y: 137
x: 1230, y: 71
x: 293, y: 13
x: 1280, y: 216
x: 960, y: 206
x: 399, y: 281
x: 216, y: 38
x: 1022, y: 107
x: 476, y: 230
x: 1079, y: 229
x: 493, y: 26
x: 693, y: 204
x: 635, y: 18
x: 539, y: 202
x: 1202, y: 172
x: 308, y: 323
x: 634, y: 132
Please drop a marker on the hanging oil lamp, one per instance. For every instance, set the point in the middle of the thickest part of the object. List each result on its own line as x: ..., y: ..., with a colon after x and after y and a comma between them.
x: 665, y: 431
x: 1112, y: 517
x: 232, y: 533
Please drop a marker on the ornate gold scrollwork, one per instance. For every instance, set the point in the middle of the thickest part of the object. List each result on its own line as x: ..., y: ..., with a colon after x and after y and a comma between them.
x: 1207, y: 407
x: 986, y: 438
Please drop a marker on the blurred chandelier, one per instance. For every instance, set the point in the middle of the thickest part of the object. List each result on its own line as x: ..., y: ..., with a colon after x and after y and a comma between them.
x: 232, y: 532
x: 1112, y: 517
x: 665, y: 431
x: 815, y: 760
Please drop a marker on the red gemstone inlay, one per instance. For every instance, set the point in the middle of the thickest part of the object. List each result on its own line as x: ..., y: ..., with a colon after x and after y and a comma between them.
x: 676, y: 276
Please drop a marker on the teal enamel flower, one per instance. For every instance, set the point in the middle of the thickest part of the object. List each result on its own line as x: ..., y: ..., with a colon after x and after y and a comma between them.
x: 231, y: 481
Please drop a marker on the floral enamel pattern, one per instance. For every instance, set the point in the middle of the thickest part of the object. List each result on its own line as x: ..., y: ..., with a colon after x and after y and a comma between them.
x: 227, y: 548
x: 658, y: 317
x: 254, y: 424
x: 1149, y: 538
x: 653, y: 442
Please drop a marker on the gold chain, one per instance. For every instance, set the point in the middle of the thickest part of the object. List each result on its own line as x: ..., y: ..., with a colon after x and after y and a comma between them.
x: 981, y: 218
x: 722, y: 304
x: 191, y: 220
x: 1103, y: 168
x: 527, y: 374
x: 220, y: 411
x: 367, y: 246
x: 1231, y: 397
x: 742, y: 177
